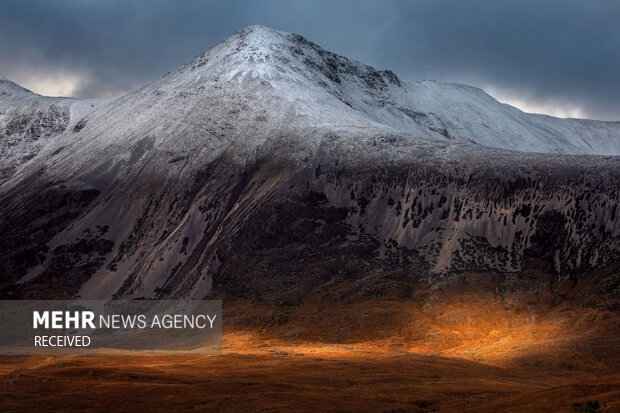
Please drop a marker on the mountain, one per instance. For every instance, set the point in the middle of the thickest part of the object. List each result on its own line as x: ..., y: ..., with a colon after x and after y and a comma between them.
x: 267, y: 168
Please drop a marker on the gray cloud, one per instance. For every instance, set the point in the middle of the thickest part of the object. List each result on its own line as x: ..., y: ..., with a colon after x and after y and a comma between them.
x: 562, y: 54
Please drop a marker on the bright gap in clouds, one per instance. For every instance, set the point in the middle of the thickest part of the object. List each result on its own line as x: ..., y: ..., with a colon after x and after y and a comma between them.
x: 531, y: 106
x: 46, y: 83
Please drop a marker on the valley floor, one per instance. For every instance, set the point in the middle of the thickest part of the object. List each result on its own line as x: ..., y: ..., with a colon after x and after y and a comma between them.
x: 467, y: 345
x: 275, y: 376
x: 338, y: 381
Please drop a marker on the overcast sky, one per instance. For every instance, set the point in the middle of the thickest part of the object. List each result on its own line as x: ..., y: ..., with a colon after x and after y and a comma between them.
x: 557, y: 57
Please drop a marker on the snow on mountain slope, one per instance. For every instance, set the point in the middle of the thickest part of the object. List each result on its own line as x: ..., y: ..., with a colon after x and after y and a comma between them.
x: 29, y: 122
x: 254, y: 167
x: 261, y: 83
x: 289, y: 83
x: 330, y: 90
x: 325, y: 89
x: 468, y: 114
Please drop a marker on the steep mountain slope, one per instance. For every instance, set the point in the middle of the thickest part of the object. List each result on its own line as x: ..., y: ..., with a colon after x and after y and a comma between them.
x: 267, y: 167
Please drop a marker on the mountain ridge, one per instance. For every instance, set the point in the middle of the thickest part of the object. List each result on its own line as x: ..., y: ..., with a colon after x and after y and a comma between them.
x: 245, y: 172
x: 436, y: 110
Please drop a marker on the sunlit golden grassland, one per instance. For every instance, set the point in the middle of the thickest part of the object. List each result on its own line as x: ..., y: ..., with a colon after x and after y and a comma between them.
x: 457, y: 347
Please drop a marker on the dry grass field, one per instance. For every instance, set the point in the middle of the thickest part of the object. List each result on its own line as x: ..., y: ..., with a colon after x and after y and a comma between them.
x: 456, y: 347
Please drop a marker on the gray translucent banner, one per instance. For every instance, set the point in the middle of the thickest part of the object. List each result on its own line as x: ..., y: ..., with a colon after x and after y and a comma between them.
x: 30, y: 327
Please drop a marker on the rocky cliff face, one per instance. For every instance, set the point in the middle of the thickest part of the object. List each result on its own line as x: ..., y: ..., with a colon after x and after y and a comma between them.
x: 268, y: 168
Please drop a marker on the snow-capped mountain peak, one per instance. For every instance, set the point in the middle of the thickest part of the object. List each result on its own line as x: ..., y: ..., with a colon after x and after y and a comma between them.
x: 320, y: 88
x: 268, y: 137
x: 260, y: 84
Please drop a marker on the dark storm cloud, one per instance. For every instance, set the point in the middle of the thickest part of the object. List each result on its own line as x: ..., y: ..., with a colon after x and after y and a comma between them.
x: 548, y: 53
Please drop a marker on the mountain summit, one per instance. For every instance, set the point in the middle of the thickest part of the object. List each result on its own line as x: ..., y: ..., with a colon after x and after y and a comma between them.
x: 269, y: 167
x: 318, y: 88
